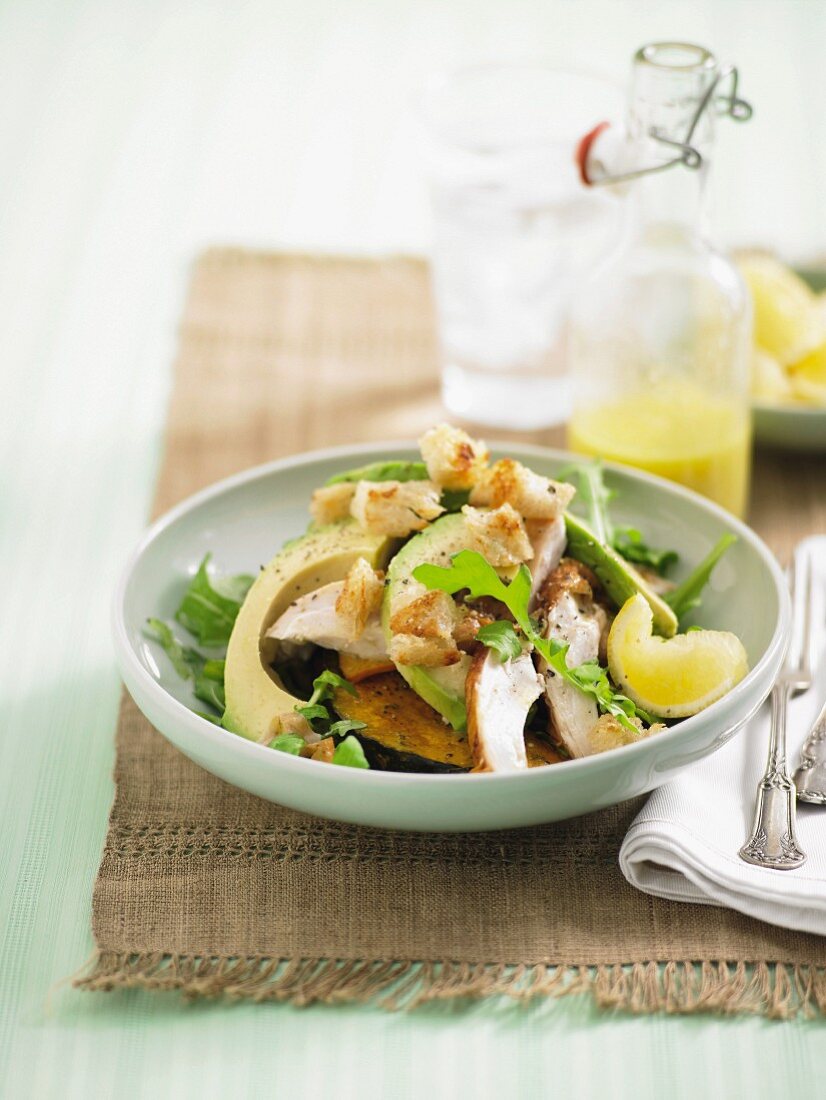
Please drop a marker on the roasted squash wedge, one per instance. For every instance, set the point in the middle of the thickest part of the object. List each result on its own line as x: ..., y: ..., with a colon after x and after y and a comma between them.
x: 357, y: 669
x: 403, y: 734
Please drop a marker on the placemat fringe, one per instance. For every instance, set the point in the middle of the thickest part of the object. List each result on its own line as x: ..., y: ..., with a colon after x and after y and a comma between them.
x: 776, y: 991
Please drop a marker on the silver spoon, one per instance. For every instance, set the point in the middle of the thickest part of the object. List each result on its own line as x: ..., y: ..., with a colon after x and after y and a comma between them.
x: 773, y: 841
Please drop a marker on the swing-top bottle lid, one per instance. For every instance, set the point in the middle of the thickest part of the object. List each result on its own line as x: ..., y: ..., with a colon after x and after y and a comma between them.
x: 678, y: 89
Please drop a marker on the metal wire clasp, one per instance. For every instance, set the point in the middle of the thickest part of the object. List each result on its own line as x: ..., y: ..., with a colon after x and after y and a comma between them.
x: 726, y: 104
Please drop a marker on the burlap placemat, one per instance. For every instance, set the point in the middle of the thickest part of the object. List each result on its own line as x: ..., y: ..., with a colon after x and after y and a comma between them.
x: 207, y: 889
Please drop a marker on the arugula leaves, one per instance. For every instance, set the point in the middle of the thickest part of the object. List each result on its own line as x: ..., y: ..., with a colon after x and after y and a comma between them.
x: 349, y: 751
x: 502, y: 637
x: 288, y: 742
x: 688, y: 595
x: 345, y: 726
x: 211, y: 605
x: 323, y: 686
x: 183, y: 660
x: 208, y: 610
x: 350, y: 754
x: 627, y: 541
x: 454, y: 500
x: 210, y: 691
x: 207, y: 674
x: 470, y: 570
x: 596, y: 495
x: 392, y: 470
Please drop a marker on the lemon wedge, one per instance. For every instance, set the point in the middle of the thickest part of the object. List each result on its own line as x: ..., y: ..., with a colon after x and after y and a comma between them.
x: 769, y: 381
x: 787, y: 315
x: 808, y: 377
x: 671, y: 677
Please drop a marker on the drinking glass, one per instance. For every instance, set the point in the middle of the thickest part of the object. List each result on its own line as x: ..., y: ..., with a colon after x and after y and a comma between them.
x: 513, y: 226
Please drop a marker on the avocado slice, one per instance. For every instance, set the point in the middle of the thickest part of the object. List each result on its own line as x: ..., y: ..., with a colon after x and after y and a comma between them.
x: 620, y: 579
x: 442, y: 688
x: 254, y: 695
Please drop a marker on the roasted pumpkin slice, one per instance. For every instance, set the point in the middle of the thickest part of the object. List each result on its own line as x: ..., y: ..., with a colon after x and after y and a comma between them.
x: 540, y: 751
x: 403, y: 734
x: 357, y: 669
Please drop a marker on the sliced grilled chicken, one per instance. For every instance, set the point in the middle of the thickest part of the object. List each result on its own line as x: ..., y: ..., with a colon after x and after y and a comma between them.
x: 548, y: 539
x: 498, y: 696
x: 573, y: 618
x: 313, y: 618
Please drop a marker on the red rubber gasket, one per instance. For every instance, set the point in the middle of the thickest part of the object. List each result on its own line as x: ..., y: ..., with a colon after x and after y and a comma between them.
x: 584, y: 148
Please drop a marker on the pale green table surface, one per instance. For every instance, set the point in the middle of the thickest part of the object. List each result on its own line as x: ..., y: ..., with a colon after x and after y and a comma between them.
x: 134, y: 132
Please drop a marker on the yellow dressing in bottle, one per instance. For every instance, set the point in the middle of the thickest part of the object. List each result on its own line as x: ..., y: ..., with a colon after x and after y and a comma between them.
x: 675, y: 431
x: 660, y: 331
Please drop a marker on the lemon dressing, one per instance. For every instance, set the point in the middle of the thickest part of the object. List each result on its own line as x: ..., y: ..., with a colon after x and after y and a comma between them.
x: 679, y: 432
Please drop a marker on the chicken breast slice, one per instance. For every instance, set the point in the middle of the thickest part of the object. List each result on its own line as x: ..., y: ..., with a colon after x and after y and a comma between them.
x: 548, y: 539
x: 498, y: 695
x: 313, y: 618
x: 574, y: 619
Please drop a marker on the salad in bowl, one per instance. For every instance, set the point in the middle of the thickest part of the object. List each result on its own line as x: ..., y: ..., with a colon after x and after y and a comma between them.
x: 453, y: 614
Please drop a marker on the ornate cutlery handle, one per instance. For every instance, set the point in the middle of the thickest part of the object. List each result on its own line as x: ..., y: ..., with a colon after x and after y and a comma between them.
x: 773, y: 842
x: 810, y: 777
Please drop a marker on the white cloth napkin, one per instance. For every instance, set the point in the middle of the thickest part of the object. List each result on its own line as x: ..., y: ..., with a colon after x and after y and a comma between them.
x: 683, y: 844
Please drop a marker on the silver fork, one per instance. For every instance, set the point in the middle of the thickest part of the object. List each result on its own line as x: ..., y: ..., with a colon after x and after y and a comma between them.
x: 773, y: 841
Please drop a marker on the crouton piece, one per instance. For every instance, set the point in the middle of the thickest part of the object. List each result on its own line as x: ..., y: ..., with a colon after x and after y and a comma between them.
x: 360, y: 597
x: 423, y: 631
x: 471, y: 620
x: 533, y: 496
x: 454, y: 460
x: 432, y: 615
x: 395, y: 508
x: 289, y: 722
x: 498, y: 534
x: 610, y: 733
x: 332, y: 502
x: 569, y: 576
x: 409, y: 649
x: 324, y: 750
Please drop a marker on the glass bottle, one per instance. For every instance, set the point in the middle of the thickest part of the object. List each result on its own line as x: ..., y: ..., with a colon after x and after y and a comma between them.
x: 660, y: 333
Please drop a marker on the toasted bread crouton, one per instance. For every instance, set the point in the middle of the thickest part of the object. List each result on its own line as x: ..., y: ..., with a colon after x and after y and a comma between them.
x: 454, y: 460
x: 289, y: 722
x: 332, y: 502
x: 498, y: 534
x: 471, y: 620
x: 432, y: 615
x: 409, y: 649
x: 610, y: 733
x: 533, y: 496
x: 324, y: 750
x: 569, y: 576
x: 422, y: 631
x: 360, y: 597
x: 395, y: 508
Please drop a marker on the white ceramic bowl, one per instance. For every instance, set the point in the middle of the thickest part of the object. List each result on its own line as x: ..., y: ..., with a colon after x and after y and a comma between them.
x: 244, y: 520
x: 792, y: 427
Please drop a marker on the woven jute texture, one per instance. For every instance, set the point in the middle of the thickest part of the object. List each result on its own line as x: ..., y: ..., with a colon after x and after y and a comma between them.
x: 207, y: 889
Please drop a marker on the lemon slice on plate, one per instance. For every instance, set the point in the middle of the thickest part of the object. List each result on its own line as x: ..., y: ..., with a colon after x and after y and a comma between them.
x: 787, y: 315
x: 769, y: 381
x: 671, y: 677
x: 808, y: 377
